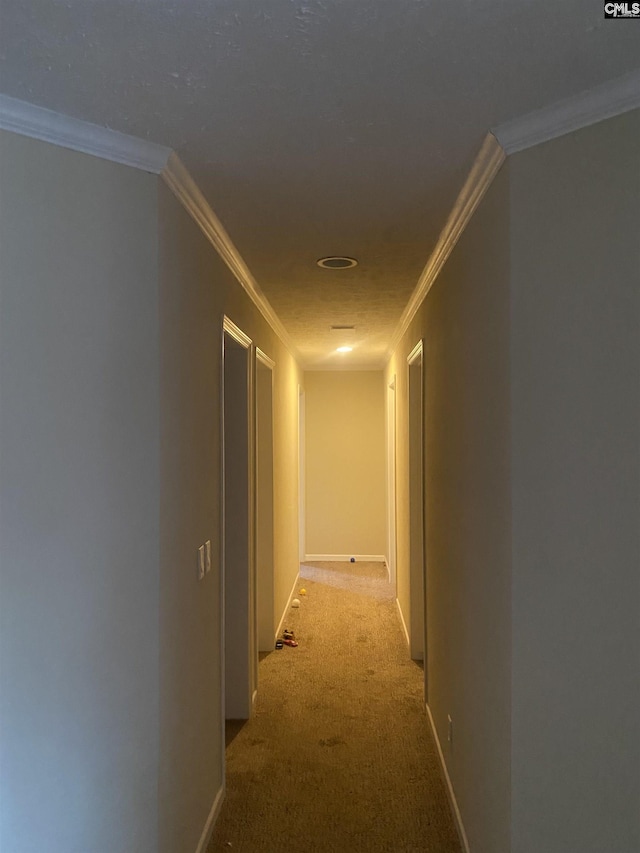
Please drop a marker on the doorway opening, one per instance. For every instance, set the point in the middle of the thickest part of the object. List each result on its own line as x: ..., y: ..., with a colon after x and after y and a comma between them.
x: 265, y: 600
x: 417, y: 572
x: 391, y: 482
x: 302, y: 554
x: 239, y: 636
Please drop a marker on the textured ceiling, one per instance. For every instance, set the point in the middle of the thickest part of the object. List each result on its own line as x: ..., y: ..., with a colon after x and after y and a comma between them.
x: 316, y: 128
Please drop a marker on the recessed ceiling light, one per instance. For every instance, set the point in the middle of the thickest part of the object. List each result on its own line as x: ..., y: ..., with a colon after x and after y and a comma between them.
x: 344, y: 349
x: 337, y: 262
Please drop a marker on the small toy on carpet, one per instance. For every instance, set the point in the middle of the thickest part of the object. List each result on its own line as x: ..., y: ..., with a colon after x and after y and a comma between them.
x: 288, y: 638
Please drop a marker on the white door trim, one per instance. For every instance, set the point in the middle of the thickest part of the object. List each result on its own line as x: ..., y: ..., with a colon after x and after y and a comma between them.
x: 264, y: 506
x: 263, y: 358
x: 244, y: 703
x: 302, y: 504
x: 417, y: 551
x: 235, y: 332
x: 391, y: 481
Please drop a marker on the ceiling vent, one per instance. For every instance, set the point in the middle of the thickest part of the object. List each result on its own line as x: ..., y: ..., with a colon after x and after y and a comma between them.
x: 337, y: 262
x: 342, y: 328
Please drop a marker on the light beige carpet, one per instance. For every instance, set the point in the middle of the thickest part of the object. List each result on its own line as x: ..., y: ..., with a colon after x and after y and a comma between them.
x: 338, y: 756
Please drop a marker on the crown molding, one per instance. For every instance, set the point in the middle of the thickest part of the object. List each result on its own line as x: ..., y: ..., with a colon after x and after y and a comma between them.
x: 48, y: 126
x: 178, y: 179
x: 602, y: 102
x: 485, y: 167
x: 612, y: 98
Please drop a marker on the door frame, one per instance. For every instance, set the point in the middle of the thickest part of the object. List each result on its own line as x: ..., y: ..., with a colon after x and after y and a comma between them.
x: 265, y: 601
x: 391, y: 482
x: 417, y: 561
x: 302, y: 503
x: 243, y: 703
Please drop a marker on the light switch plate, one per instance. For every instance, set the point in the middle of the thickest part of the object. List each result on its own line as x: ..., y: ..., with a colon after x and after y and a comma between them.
x: 207, y: 556
x: 201, y: 562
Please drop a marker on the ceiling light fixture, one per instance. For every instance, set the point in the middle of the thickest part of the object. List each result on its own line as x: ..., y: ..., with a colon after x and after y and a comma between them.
x: 337, y: 262
x: 344, y: 349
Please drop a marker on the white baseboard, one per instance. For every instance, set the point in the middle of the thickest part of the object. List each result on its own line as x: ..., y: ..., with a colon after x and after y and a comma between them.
x: 404, y: 624
x: 450, y: 792
x: 292, y: 595
x: 345, y: 558
x: 211, y: 821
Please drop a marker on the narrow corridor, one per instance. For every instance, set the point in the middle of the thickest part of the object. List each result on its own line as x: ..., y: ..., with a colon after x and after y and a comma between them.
x: 338, y: 756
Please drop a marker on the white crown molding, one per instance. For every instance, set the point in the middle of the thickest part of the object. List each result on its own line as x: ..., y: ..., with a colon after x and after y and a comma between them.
x: 185, y: 189
x: 236, y: 332
x: 48, y: 126
x: 602, y: 102
x: 484, y: 169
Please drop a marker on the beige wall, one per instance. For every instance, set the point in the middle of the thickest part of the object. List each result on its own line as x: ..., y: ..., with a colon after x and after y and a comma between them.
x: 79, y: 481
x: 345, y: 463
x: 196, y: 291
x: 465, y: 325
x: 110, y: 330
x: 532, y: 469
x: 110, y: 358
x: 575, y: 344
x: 192, y: 286
x: 287, y: 378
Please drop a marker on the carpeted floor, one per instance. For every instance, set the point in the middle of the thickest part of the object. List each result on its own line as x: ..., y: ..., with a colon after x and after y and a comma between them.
x: 338, y: 756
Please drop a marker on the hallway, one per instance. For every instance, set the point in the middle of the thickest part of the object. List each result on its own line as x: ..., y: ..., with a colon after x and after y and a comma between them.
x: 338, y: 756
x: 462, y: 401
